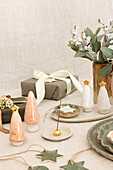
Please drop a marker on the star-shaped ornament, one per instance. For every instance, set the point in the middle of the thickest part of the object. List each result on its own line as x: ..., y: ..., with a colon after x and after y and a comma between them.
x: 74, y: 166
x: 86, y: 82
x: 49, y: 155
x: 102, y: 84
x: 38, y: 168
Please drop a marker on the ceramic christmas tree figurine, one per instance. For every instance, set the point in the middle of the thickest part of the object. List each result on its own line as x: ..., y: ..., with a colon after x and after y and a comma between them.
x: 17, y: 136
x: 87, y: 100
x: 103, y: 104
x: 31, y: 116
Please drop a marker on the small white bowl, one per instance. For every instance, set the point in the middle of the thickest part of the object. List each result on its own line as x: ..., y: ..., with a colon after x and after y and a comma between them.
x: 68, y: 114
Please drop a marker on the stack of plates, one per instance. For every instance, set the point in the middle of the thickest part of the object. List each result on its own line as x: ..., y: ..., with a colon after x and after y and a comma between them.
x: 97, y: 137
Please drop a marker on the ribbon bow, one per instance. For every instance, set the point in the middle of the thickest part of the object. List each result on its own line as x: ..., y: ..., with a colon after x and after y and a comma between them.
x: 58, y: 75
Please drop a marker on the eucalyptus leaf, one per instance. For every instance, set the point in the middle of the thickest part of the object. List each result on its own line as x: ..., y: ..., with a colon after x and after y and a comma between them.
x: 98, y: 30
x: 84, y: 54
x: 107, y: 52
x: 102, y: 57
x: 105, y: 70
x: 88, y: 56
x: 89, y: 32
x: 95, y: 44
x: 99, y: 38
x: 73, y: 47
x: 81, y: 53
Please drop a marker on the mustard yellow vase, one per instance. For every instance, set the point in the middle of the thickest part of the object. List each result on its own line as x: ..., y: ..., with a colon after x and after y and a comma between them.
x: 97, y: 79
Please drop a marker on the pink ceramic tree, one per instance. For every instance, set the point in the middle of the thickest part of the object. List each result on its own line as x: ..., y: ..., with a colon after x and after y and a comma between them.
x: 17, y: 135
x: 31, y: 116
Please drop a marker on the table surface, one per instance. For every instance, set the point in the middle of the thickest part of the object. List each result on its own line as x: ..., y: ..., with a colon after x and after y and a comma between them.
x: 76, y: 143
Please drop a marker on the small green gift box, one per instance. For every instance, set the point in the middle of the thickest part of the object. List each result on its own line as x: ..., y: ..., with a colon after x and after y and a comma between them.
x: 54, y: 91
x: 7, y: 113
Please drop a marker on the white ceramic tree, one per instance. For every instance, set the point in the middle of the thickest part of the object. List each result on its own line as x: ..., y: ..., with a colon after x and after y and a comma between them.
x: 103, y: 103
x: 87, y: 100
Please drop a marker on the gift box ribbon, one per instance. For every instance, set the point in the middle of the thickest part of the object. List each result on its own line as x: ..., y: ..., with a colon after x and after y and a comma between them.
x: 58, y: 75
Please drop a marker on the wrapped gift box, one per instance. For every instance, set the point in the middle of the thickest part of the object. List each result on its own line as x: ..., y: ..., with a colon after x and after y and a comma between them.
x: 53, y: 91
x: 6, y: 113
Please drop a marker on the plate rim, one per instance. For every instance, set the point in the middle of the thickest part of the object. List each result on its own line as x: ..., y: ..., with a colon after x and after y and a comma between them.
x: 101, y: 140
x: 98, y: 150
x: 68, y: 114
x: 74, y: 120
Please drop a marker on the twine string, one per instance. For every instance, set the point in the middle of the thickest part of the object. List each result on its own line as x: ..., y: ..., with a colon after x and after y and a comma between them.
x: 16, y: 159
x: 47, y: 113
x: 27, y: 150
x: 78, y: 153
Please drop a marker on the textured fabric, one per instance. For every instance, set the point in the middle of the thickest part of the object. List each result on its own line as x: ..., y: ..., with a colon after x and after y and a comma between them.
x: 34, y: 35
x: 68, y: 147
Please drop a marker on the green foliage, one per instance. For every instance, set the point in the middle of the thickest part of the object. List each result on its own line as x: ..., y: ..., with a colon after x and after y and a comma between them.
x: 95, y: 44
x: 75, y: 48
x: 108, y: 53
x: 89, y: 32
x: 99, y: 38
x: 102, y: 58
x: 84, y: 54
x: 105, y: 70
x: 98, y: 30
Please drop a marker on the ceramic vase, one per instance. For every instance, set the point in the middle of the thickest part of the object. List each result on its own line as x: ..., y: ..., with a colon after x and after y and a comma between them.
x: 103, y: 103
x: 31, y: 116
x: 86, y: 99
x: 16, y: 136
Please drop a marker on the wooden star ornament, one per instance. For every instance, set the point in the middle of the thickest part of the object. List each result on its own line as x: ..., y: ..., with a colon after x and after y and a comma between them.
x: 74, y: 166
x: 49, y: 155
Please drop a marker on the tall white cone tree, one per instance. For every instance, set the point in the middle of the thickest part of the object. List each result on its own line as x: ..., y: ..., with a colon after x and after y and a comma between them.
x: 87, y: 100
x: 103, y: 103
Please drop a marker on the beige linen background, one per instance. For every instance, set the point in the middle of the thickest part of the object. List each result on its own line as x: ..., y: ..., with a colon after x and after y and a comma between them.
x: 34, y: 35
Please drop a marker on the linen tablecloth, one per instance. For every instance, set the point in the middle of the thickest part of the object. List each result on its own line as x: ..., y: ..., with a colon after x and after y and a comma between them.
x: 67, y: 148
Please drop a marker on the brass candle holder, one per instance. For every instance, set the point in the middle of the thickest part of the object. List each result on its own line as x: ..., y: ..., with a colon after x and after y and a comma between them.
x: 57, y: 132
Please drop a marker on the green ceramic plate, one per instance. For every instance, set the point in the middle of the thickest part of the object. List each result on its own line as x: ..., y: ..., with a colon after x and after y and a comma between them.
x: 95, y: 144
x: 102, y: 136
x: 68, y: 114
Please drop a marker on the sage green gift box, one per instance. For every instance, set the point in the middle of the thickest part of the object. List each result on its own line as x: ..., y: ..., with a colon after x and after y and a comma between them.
x: 7, y: 113
x: 53, y: 91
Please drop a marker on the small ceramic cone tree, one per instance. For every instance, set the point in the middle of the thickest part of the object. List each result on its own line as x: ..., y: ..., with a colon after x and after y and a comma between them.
x: 103, y: 103
x: 87, y: 100
x: 31, y: 116
x: 17, y: 135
